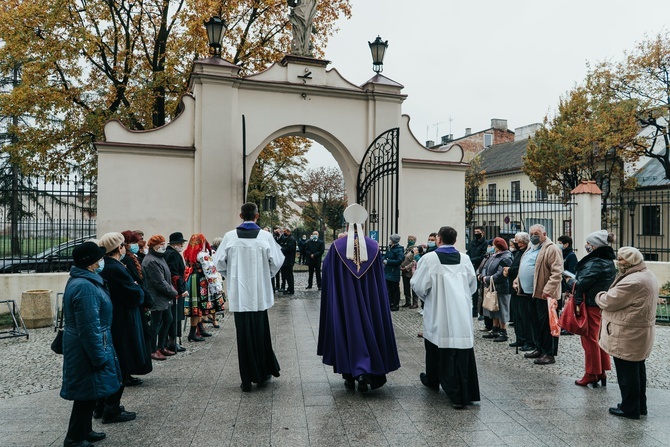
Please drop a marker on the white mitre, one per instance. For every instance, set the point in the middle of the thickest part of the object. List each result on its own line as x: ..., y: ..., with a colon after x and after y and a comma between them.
x: 356, y: 215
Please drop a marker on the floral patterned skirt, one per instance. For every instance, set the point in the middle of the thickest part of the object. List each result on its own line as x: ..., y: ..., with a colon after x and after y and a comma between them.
x: 200, y: 302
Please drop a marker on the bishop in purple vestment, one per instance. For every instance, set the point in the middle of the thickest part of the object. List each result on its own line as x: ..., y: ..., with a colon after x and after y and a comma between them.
x: 356, y: 334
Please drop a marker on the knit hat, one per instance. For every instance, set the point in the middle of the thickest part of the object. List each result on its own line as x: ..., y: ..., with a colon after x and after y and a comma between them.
x: 631, y: 255
x: 500, y: 244
x: 597, y: 238
x: 154, y: 240
x: 86, y: 254
x: 111, y: 241
x: 395, y: 238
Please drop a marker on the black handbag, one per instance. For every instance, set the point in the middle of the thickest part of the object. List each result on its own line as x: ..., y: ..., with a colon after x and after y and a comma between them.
x: 57, y: 344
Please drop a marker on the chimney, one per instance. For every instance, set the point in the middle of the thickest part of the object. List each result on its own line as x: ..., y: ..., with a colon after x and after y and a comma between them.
x: 468, y: 131
x: 430, y: 143
x: 499, y: 124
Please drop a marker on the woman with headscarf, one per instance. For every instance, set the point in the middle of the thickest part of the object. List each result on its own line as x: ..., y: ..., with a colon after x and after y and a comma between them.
x: 205, y: 288
x: 90, y: 368
x: 627, y: 329
x: 594, y: 273
x: 159, y: 284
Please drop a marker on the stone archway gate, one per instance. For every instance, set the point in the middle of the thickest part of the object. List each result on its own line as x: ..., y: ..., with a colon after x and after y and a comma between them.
x: 188, y: 175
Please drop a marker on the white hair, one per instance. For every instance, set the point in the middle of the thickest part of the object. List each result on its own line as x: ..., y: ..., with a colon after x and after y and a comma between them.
x: 522, y: 235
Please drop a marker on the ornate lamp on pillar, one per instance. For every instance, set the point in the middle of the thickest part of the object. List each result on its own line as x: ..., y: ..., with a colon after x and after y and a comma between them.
x: 378, y: 49
x: 631, y: 209
x: 215, y: 27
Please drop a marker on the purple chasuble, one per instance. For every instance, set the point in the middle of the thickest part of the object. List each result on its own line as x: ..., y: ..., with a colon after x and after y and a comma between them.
x: 356, y: 331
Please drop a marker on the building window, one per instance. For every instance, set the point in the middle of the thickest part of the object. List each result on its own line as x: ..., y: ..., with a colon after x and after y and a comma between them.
x: 651, y: 220
x: 488, y: 139
x: 516, y: 191
x: 492, y: 193
x: 541, y: 195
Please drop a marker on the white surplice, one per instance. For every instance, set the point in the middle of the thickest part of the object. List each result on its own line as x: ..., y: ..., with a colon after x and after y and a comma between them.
x: 447, y: 293
x: 248, y: 266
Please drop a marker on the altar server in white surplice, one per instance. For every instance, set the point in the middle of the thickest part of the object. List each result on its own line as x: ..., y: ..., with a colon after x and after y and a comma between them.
x: 445, y: 280
x: 248, y: 258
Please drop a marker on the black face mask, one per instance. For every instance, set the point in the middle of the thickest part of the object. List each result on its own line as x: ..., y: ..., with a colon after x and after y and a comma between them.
x: 478, y: 236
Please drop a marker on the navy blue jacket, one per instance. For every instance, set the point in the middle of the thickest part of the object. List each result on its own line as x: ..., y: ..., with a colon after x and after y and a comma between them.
x: 393, y: 258
x: 90, y: 367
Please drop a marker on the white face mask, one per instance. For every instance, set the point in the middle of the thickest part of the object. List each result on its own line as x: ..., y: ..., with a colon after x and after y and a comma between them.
x: 160, y: 249
x: 179, y: 248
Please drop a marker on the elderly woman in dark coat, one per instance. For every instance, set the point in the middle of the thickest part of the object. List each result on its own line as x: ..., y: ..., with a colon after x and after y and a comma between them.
x: 627, y: 329
x: 159, y: 284
x: 594, y: 273
x: 90, y: 368
x: 494, y: 271
x: 127, y: 332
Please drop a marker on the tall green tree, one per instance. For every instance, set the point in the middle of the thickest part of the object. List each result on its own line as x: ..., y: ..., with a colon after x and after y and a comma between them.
x: 86, y: 62
x: 322, y: 189
x: 643, y: 77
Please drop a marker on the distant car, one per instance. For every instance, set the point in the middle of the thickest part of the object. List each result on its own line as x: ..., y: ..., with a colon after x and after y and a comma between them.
x: 55, y: 259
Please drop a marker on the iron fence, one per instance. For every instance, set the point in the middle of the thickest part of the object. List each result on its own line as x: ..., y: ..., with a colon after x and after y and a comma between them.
x: 504, y: 213
x: 640, y: 219
x: 41, y: 220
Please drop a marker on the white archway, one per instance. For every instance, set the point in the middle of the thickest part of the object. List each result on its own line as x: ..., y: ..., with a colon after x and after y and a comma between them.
x: 188, y: 175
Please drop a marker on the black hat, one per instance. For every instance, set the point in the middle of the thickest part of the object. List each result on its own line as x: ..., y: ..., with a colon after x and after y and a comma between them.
x: 87, y: 253
x: 177, y: 238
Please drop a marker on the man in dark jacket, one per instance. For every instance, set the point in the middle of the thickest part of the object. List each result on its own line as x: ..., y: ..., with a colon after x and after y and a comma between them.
x: 476, y: 252
x: 392, y: 259
x: 175, y: 261
x: 302, y: 243
x: 314, y: 249
x: 288, y: 249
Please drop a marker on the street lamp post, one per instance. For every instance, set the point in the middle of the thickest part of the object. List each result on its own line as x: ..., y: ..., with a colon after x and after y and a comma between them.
x: 378, y: 49
x: 631, y: 209
x: 215, y: 27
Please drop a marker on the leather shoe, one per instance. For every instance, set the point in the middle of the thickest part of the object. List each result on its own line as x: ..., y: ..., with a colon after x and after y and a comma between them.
x: 618, y: 412
x: 545, y: 360
x: 308, y: 287
x: 195, y: 338
x: 406, y: 305
x: 642, y: 412
x: 395, y: 308
x: 289, y: 293
x: 246, y: 387
x: 264, y: 381
x: 166, y: 352
x: 124, y: 416
x: 526, y: 348
x: 350, y: 384
x: 70, y: 443
x: 95, y: 436
x: 533, y: 355
x: 132, y: 381
x: 424, y: 379
x: 516, y: 344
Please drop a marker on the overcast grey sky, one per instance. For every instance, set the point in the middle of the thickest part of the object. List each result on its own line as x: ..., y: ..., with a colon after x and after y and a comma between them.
x: 464, y: 62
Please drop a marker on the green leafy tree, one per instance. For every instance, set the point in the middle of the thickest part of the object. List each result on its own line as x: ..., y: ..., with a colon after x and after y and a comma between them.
x: 323, y: 191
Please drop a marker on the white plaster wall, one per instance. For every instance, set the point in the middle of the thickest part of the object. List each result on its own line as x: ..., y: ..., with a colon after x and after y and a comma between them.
x: 13, y: 285
x: 661, y: 270
x: 157, y: 198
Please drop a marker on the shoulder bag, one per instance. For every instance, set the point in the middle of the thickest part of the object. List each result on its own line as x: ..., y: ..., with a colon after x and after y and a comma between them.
x: 490, y: 302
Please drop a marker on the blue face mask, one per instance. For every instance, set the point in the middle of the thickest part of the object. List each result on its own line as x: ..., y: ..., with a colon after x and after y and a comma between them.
x: 101, y: 265
x: 417, y: 257
x: 491, y: 250
x: 431, y: 244
x: 122, y: 256
x: 560, y: 246
x: 134, y: 248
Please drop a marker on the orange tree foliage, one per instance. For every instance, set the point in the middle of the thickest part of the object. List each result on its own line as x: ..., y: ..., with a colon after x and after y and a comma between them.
x: 85, y: 62
x: 644, y: 76
x: 277, y: 173
x: 325, y: 198
x: 589, y: 138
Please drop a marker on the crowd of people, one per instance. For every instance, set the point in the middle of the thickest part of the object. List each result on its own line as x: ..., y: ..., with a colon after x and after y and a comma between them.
x: 123, y: 305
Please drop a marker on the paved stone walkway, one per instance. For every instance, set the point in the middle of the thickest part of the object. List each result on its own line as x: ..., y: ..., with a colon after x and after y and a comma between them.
x: 194, y: 399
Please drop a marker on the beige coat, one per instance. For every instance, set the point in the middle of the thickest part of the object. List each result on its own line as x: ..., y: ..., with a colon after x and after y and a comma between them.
x: 548, y: 271
x: 629, y: 314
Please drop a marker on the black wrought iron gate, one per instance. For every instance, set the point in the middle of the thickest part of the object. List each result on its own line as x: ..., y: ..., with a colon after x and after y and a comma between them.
x: 377, y: 186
